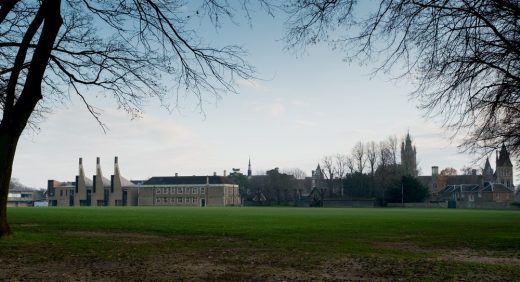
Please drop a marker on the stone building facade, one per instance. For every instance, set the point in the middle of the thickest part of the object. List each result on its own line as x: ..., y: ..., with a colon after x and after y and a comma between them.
x: 156, y: 191
x: 189, y: 191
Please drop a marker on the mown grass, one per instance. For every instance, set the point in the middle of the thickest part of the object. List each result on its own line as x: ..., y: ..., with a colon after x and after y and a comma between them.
x: 413, y: 239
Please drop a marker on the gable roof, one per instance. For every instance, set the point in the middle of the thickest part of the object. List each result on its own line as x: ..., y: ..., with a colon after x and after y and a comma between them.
x: 495, y: 187
x: 180, y: 180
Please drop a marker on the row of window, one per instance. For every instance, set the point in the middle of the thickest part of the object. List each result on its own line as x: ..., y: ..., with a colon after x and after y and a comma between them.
x: 176, y: 200
x: 501, y: 172
x: 181, y: 190
x: 230, y: 191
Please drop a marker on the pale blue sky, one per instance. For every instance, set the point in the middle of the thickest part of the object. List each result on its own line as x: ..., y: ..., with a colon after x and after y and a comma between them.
x: 308, y: 105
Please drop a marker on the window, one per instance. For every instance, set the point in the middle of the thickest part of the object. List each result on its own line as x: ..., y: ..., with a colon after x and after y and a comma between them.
x: 194, y: 191
x: 61, y: 193
x: 173, y: 190
x: 158, y: 191
x: 179, y: 200
x: 194, y: 200
x: 179, y: 190
x: 165, y: 190
x: 158, y: 200
x: 202, y: 190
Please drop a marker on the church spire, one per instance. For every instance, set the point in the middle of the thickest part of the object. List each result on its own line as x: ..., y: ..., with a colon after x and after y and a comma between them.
x: 249, y: 167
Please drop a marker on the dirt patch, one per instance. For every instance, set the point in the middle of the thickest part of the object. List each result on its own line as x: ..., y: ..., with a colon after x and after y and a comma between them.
x: 26, y: 225
x: 233, y: 259
x: 401, y: 246
x: 181, y: 268
x: 460, y: 255
x: 466, y: 255
x: 126, y: 237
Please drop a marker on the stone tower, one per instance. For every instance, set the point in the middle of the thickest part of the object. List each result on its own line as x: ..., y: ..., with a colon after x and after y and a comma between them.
x: 408, y: 157
x: 504, y: 168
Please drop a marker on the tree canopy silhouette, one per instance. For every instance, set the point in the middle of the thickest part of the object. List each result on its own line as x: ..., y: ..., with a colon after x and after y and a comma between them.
x: 464, y: 56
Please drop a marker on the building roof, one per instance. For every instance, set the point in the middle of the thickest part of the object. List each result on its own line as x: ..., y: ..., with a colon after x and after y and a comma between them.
x: 106, y: 182
x: 125, y: 182
x: 463, y: 179
x: 180, y: 180
x: 495, y: 187
x: 488, y: 187
x: 461, y: 188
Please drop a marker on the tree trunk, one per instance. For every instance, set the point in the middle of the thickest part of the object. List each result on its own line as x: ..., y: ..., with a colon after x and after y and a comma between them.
x: 16, y: 114
x: 8, y: 141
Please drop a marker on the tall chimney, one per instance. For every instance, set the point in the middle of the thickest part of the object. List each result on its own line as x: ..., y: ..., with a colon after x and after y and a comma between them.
x: 97, y: 160
x: 214, y: 173
x: 435, y: 170
x: 80, y: 167
x: 176, y: 174
x: 115, y: 160
x: 224, y: 172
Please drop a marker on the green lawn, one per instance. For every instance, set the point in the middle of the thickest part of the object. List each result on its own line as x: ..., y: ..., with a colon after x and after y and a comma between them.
x: 261, y: 244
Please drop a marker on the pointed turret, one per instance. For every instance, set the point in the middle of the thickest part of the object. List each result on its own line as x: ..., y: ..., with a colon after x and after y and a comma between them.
x: 408, y: 156
x: 487, y: 172
x: 249, y: 173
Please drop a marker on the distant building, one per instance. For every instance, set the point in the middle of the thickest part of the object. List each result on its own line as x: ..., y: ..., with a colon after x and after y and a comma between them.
x: 96, y: 192
x: 23, y: 197
x: 475, y: 188
x: 156, y: 191
x: 189, y: 191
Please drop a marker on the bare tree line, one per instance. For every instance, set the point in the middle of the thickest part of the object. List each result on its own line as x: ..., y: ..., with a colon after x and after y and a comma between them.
x: 369, y: 155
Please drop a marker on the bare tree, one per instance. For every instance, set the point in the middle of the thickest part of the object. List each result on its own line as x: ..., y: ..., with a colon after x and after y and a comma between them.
x: 127, y: 49
x: 463, y: 55
x: 467, y: 170
x: 340, y: 169
x: 449, y: 171
x: 371, y: 152
x: 384, y: 154
x: 393, y: 148
x: 359, y: 156
x: 328, y: 169
x: 350, y: 164
x: 298, y: 173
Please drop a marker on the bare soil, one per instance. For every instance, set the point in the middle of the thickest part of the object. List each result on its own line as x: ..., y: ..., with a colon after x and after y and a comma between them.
x: 224, y: 263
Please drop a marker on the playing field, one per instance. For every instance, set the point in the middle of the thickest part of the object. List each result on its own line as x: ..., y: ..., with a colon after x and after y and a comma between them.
x: 260, y: 244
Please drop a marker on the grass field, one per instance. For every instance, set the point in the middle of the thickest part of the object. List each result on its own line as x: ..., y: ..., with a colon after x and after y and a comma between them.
x: 260, y: 244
